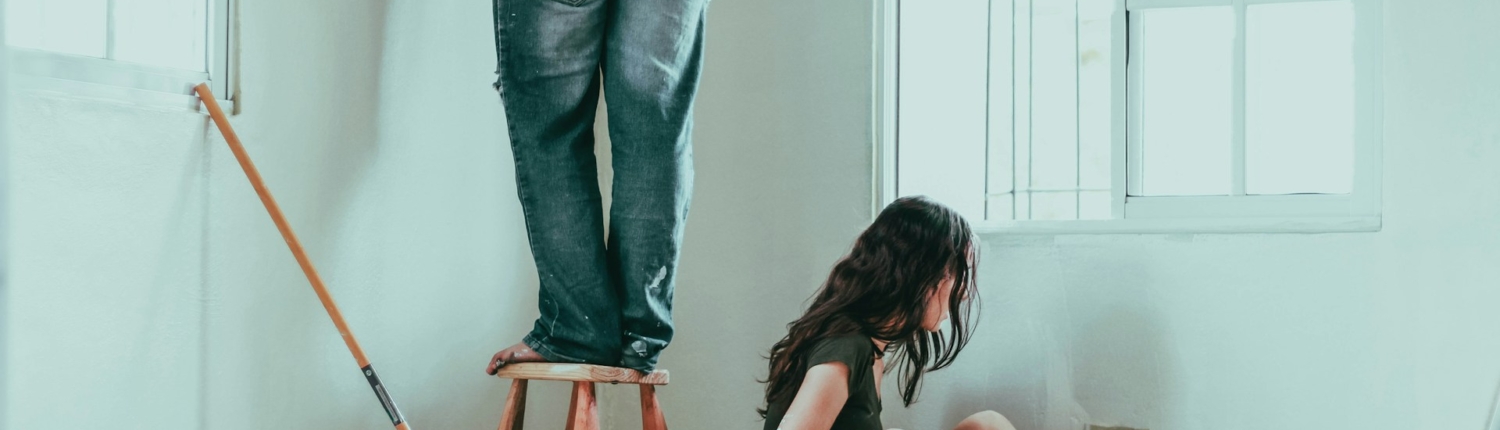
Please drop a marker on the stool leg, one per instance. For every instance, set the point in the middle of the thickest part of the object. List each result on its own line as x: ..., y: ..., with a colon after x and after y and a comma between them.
x: 583, y: 410
x: 651, y: 416
x: 515, y: 406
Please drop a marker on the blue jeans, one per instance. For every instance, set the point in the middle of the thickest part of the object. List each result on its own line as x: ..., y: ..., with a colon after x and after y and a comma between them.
x: 603, y: 300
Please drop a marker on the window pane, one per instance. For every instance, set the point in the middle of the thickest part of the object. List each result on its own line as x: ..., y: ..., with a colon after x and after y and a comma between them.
x: 1054, y: 106
x: 67, y: 26
x: 167, y: 33
x: 1050, y: 98
x: 941, y: 117
x: 1186, y: 91
x: 1299, y: 98
x: 1022, y: 73
x: 1002, y: 107
x: 1054, y: 205
x: 1095, y: 92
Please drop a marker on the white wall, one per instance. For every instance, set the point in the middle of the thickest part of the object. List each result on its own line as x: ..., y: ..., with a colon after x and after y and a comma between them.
x: 1389, y: 330
x: 782, y: 147
x: 386, y: 133
x: 107, y: 286
x: 424, y: 225
x: 4, y: 212
x: 151, y: 287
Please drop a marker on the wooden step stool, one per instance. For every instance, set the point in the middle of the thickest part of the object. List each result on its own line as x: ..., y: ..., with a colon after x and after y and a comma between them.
x: 583, y: 411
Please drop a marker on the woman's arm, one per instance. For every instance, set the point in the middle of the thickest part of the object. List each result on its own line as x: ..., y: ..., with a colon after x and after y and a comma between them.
x: 823, y: 393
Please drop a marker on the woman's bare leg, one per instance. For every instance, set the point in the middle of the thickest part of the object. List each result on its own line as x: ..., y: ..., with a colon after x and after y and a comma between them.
x: 987, y: 420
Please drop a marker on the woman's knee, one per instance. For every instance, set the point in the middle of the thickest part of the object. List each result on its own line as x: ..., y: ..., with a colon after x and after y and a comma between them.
x: 987, y: 420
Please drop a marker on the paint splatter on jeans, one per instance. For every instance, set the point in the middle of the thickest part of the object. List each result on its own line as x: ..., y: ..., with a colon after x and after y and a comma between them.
x: 605, y: 300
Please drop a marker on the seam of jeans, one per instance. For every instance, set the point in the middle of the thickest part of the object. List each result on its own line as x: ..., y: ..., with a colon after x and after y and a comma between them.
x: 521, y: 194
x: 502, y: 48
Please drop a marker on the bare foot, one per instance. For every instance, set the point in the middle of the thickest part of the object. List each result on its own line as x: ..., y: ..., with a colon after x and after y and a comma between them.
x: 518, y: 353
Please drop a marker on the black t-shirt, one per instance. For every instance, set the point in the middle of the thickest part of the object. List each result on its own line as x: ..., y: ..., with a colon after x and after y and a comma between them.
x: 862, y: 410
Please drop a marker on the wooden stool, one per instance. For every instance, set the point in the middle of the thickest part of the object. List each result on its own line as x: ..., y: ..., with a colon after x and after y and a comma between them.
x: 583, y: 411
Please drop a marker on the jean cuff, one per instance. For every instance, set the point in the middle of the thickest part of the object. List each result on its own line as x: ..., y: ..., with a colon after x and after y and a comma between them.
x: 643, y: 364
x: 547, y: 351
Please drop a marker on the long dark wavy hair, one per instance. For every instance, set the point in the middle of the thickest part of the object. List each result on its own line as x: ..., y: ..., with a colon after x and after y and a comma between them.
x: 881, y: 289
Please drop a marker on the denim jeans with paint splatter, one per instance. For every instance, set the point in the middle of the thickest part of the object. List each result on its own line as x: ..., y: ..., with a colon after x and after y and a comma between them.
x: 603, y: 300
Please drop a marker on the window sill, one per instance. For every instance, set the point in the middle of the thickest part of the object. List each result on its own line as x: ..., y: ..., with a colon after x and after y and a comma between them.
x: 1305, y: 225
x: 95, y: 79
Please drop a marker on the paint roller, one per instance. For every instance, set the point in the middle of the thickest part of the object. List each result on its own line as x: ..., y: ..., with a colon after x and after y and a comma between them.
x: 307, y: 268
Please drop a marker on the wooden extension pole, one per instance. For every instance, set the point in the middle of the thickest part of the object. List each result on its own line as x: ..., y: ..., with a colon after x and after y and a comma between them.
x: 222, y: 121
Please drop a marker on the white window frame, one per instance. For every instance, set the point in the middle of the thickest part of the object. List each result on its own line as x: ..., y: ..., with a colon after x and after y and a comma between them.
x: 1359, y: 211
x: 131, y: 83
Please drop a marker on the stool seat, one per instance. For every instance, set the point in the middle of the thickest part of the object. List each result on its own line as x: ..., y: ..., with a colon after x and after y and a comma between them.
x: 583, y: 408
x: 582, y: 373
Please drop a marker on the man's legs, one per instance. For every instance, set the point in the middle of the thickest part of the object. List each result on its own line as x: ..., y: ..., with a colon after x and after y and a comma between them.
x: 549, y: 53
x: 653, y: 57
